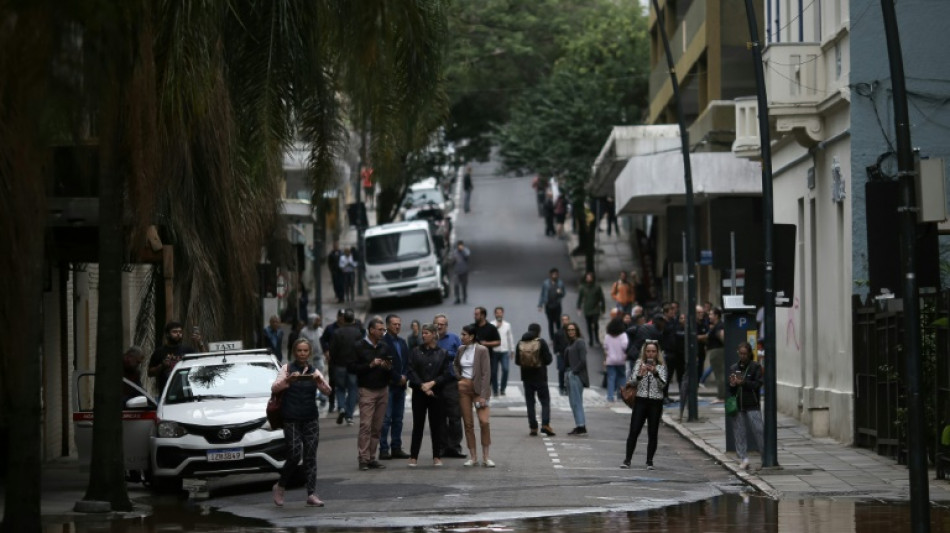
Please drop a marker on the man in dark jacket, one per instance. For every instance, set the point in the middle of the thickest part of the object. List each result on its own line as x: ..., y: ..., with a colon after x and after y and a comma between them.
x: 373, y: 366
x: 342, y: 353
x: 396, y: 408
x: 534, y: 379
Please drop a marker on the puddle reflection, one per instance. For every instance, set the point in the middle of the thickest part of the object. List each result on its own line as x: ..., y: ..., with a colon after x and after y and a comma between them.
x: 727, y: 513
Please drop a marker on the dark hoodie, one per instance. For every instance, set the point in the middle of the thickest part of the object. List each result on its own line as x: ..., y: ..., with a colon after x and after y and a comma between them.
x: 539, y: 374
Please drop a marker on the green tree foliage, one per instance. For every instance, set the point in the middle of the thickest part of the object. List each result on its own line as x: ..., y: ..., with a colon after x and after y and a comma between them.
x: 502, y: 51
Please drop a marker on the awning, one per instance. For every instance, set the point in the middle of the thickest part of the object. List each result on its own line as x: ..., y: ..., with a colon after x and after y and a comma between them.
x: 650, y: 183
x: 626, y: 142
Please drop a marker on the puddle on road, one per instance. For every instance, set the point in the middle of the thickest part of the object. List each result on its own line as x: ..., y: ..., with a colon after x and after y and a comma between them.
x: 733, y: 512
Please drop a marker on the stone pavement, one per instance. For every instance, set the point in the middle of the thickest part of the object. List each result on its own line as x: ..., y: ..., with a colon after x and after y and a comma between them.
x: 808, y: 466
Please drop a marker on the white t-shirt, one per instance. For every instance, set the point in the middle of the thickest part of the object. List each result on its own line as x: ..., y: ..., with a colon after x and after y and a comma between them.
x: 507, y: 341
x: 467, y: 362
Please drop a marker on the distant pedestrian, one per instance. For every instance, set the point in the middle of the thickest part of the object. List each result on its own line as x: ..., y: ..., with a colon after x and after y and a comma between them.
x: 336, y: 273
x: 577, y: 379
x: 533, y: 356
x: 560, y: 214
x: 745, y: 380
x: 552, y: 292
x: 472, y: 365
x: 547, y: 210
x: 623, y: 293
x: 649, y: 376
x: 615, y: 357
x: 341, y: 355
x: 591, y: 305
x: 467, y: 187
x: 540, y: 186
x: 715, y: 342
x: 460, y: 272
x: 348, y: 265
x: 609, y: 210
x: 415, y: 336
x: 273, y: 338
x: 313, y: 331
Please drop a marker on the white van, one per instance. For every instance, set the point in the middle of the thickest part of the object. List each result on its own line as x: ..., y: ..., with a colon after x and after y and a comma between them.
x: 402, y: 259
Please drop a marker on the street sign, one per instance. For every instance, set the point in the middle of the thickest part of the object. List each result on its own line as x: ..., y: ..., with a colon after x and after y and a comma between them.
x: 281, y: 286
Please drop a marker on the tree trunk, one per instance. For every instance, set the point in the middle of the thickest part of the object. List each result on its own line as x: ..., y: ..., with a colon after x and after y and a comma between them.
x: 107, y: 470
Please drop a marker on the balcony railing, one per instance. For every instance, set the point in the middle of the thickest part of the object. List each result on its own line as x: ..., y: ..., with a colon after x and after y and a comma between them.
x: 747, y: 128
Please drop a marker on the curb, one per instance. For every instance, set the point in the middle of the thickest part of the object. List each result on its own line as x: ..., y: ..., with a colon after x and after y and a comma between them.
x: 723, y: 459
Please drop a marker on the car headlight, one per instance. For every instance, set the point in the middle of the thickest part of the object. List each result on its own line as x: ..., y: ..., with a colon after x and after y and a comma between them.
x: 427, y: 269
x: 171, y: 430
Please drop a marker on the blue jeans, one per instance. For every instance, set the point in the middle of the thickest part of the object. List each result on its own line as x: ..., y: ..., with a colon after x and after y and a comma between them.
x: 575, y: 396
x: 346, y: 391
x: 496, y: 359
x: 393, y: 420
x: 615, y: 380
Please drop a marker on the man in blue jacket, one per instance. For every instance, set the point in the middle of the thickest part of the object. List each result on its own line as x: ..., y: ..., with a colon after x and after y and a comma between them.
x: 391, y: 436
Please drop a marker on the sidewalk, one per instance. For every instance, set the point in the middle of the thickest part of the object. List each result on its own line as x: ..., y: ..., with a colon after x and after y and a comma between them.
x: 808, y: 466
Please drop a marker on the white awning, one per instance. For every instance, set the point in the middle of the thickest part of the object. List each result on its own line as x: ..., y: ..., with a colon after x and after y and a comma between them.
x: 650, y: 183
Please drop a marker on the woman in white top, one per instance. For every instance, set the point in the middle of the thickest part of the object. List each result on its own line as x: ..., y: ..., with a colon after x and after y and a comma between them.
x: 615, y: 356
x: 473, y: 368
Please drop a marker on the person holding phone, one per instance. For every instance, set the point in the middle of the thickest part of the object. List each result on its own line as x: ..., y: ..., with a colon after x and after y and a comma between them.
x: 649, y: 376
x: 373, y: 366
x: 473, y: 368
x: 299, y: 380
x: 745, y: 380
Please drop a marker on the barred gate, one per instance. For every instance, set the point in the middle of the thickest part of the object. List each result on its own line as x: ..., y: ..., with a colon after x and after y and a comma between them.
x: 879, y: 370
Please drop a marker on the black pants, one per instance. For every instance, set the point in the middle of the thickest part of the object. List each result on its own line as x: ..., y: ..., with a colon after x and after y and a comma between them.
x: 553, y: 313
x: 337, y: 277
x: 301, y: 438
x: 452, y: 436
x: 544, y: 397
x: 423, y: 405
x: 593, y: 329
x: 649, y: 411
x: 676, y: 366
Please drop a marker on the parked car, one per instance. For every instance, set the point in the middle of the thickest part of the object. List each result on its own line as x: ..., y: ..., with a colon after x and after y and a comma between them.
x: 211, y: 418
x: 426, y: 194
x: 402, y: 259
x: 138, y: 421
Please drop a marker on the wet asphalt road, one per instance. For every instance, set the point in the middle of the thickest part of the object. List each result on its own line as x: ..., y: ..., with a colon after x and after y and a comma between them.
x: 535, y: 476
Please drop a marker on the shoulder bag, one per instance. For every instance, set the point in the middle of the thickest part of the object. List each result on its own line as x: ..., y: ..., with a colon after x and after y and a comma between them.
x: 629, y: 394
x: 274, y: 416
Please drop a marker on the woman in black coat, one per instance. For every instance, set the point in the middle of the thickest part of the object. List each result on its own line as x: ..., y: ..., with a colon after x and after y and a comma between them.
x: 429, y: 370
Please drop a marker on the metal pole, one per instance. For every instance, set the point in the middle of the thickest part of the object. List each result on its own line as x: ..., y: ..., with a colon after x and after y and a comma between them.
x: 907, y: 214
x: 690, y: 257
x: 732, y: 261
x: 770, y: 433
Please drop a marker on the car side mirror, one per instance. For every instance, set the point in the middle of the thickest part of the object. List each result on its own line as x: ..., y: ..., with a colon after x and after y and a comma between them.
x: 139, y: 402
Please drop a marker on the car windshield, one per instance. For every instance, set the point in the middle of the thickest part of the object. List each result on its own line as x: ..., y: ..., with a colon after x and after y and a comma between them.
x: 421, y: 197
x: 395, y: 247
x: 220, y: 381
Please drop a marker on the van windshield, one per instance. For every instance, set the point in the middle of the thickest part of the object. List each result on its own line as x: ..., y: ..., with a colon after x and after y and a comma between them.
x: 395, y: 247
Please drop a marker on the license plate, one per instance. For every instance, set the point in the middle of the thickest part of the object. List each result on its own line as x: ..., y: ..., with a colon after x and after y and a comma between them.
x: 228, y: 454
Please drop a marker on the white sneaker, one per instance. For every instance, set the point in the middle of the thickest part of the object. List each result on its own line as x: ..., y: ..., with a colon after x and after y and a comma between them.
x: 744, y: 465
x: 470, y: 462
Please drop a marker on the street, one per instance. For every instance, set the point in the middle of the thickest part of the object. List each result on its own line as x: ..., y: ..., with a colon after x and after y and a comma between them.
x: 536, y: 476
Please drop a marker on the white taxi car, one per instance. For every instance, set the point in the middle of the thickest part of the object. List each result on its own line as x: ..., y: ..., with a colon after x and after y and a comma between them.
x: 211, y: 418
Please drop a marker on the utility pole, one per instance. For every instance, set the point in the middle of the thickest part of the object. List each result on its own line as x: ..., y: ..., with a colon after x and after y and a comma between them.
x: 770, y: 429
x: 690, y: 257
x: 907, y: 216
